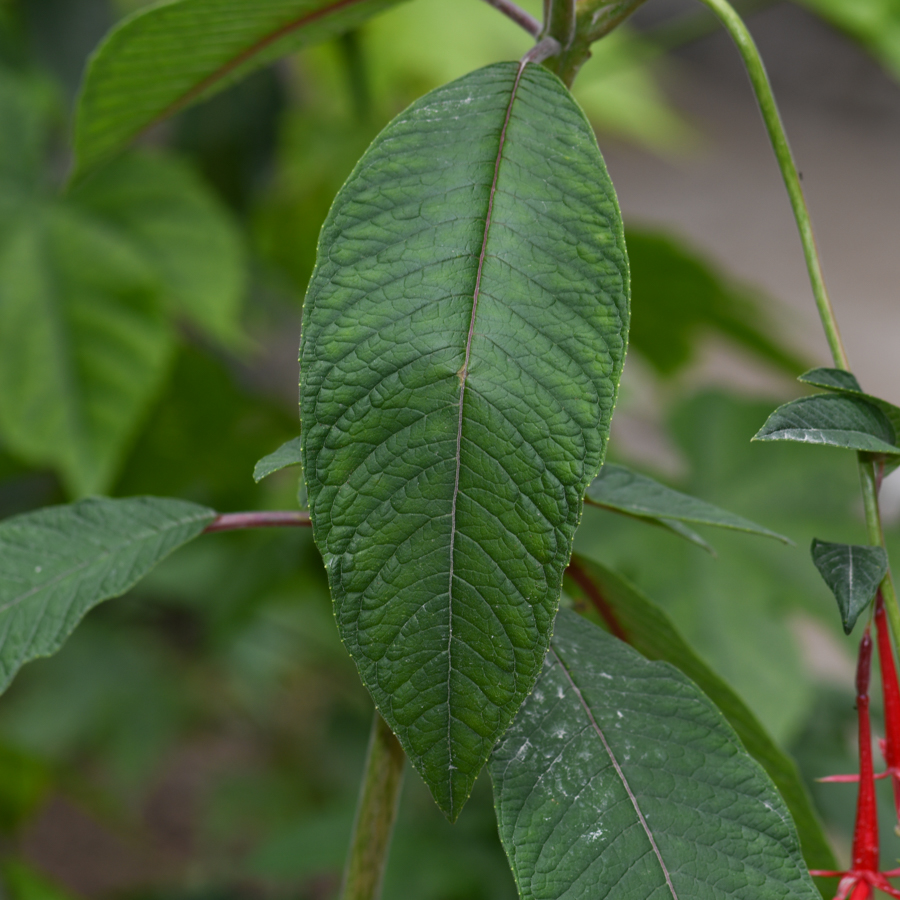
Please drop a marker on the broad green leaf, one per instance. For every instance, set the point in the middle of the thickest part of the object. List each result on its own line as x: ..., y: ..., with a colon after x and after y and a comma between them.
x: 853, y: 573
x: 833, y: 420
x: 185, y: 235
x: 843, y: 382
x: 59, y: 562
x: 165, y: 58
x: 620, y: 489
x: 641, y: 623
x: 620, y: 779
x: 463, y: 337
x: 288, y: 454
x: 84, y: 345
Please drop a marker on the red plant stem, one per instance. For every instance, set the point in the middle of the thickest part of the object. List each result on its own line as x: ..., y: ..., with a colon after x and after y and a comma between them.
x: 890, y: 689
x: 865, y: 833
x: 237, y: 521
x: 592, y: 592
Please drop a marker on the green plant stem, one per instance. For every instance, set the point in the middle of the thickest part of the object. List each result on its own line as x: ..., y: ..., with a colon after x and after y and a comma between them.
x: 769, y: 109
x: 376, y: 811
x: 560, y: 22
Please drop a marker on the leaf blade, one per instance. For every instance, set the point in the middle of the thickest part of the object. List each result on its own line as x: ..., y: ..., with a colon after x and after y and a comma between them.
x: 288, y: 454
x: 59, y: 562
x: 604, y: 784
x: 852, y: 573
x: 419, y: 502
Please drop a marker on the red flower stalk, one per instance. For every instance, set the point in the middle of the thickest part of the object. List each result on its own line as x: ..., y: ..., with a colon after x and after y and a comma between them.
x: 864, y: 877
x: 890, y: 688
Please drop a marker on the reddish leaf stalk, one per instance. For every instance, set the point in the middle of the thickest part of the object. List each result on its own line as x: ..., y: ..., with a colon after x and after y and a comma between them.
x: 592, y: 592
x: 237, y: 521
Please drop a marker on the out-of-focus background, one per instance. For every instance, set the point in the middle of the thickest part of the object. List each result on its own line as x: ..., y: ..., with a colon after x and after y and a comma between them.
x: 203, y: 737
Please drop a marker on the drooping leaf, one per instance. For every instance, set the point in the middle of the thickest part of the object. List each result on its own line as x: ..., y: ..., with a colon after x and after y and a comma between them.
x: 837, y: 421
x: 681, y: 298
x: 457, y: 383
x: 84, y: 344
x: 853, y: 574
x: 185, y: 235
x: 619, y: 778
x: 619, y: 606
x: 620, y: 489
x: 167, y: 57
x: 288, y: 454
x: 59, y: 562
x: 843, y: 382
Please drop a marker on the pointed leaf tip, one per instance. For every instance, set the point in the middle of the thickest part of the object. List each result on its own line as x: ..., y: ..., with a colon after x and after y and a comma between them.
x: 288, y: 454
x: 853, y: 574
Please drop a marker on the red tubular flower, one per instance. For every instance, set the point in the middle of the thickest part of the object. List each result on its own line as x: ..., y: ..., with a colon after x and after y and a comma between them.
x: 891, y: 691
x: 864, y: 876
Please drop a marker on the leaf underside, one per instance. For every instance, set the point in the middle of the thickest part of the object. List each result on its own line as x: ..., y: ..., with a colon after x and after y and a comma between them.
x: 463, y: 337
x: 61, y: 561
x: 648, y: 629
x: 165, y: 58
x: 834, y: 420
x: 853, y: 574
x: 620, y: 779
x: 622, y: 490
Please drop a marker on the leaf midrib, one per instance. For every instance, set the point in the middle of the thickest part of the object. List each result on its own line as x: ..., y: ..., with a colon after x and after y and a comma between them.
x: 619, y: 772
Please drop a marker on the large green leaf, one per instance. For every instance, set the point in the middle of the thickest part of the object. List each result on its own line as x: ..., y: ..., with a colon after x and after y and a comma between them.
x: 853, y: 573
x: 620, y: 779
x: 167, y: 57
x: 843, y: 382
x: 463, y: 337
x: 620, y: 489
x: 186, y: 236
x: 619, y: 606
x: 61, y: 561
x: 84, y: 344
x: 838, y: 421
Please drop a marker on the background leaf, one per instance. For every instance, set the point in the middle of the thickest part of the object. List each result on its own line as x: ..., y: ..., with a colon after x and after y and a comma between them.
x: 623, y: 490
x: 443, y: 504
x: 59, y: 562
x: 620, y: 778
x: 171, y: 55
x: 833, y: 420
x: 607, y: 597
x: 853, y: 573
x: 288, y: 454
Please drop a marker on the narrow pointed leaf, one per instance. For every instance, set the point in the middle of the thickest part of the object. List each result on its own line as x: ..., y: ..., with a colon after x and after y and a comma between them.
x: 165, y: 58
x: 843, y: 382
x: 853, y: 574
x: 636, y: 619
x: 463, y: 337
x: 622, y: 490
x: 681, y: 530
x: 59, y: 562
x: 836, y: 421
x: 288, y: 454
x: 620, y: 779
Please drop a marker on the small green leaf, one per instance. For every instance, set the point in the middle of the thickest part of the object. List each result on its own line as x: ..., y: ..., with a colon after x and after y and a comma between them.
x: 61, y: 561
x: 853, y: 573
x: 836, y: 421
x: 184, y: 233
x: 166, y: 58
x: 288, y: 454
x: 844, y: 382
x: 619, y: 778
x: 640, y: 622
x: 622, y: 490
x: 457, y: 386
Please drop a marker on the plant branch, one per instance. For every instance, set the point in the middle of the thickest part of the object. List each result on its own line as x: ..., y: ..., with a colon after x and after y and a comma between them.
x: 238, y: 521
x: 769, y: 109
x: 375, y: 814
x: 559, y: 22
x: 518, y: 15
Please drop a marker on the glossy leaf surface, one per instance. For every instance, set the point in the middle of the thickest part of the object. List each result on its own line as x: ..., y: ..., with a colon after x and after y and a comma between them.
x: 833, y: 420
x: 288, y: 454
x: 620, y: 779
x: 167, y: 57
x: 623, y: 490
x: 61, y: 561
x: 463, y: 337
x: 844, y: 382
x: 853, y: 573
x: 619, y: 606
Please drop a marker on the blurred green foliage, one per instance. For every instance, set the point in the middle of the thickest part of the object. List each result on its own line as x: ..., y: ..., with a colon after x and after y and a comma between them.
x: 211, y: 724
